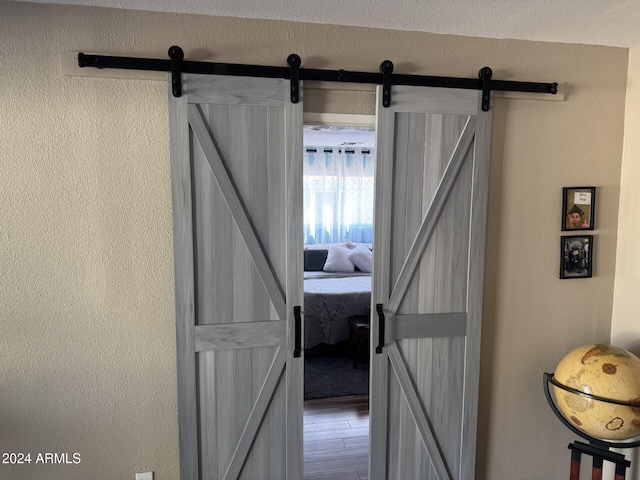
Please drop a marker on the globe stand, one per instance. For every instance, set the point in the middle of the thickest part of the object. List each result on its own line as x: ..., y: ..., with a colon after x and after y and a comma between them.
x: 599, y: 454
x: 597, y: 448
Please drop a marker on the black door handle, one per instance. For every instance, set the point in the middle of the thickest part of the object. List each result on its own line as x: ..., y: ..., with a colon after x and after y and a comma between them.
x: 298, y: 331
x: 380, y: 328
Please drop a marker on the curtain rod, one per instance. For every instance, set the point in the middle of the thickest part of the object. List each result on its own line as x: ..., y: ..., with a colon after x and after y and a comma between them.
x: 177, y: 65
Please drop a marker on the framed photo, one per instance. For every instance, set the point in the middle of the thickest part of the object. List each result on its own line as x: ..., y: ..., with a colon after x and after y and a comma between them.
x: 576, y: 254
x: 578, y: 208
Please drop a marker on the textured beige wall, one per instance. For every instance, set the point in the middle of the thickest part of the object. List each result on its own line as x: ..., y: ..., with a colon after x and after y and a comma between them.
x: 87, y: 331
x: 625, y: 326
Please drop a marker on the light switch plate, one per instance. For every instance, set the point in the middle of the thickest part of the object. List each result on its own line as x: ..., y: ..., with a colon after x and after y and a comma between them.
x: 144, y: 476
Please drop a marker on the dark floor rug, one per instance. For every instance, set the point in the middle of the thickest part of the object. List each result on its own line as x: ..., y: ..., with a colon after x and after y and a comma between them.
x: 329, y: 372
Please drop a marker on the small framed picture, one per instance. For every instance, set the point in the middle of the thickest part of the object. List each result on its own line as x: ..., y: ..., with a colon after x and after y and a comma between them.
x: 578, y: 208
x: 576, y: 253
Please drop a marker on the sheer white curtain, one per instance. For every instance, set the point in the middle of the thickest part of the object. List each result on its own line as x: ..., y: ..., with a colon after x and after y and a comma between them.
x: 338, y: 194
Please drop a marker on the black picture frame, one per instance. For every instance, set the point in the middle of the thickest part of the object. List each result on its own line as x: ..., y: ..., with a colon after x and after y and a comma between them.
x: 576, y: 256
x: 578, y: 208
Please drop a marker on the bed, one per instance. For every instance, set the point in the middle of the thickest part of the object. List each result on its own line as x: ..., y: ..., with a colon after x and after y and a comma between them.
x: 330, y: 298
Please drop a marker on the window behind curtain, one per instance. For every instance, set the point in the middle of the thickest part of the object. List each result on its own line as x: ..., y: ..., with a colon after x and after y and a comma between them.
x: 338, y: 194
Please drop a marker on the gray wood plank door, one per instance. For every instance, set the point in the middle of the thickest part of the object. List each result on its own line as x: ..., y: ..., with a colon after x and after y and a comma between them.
x: 432, y: 170
x: 236, y: 168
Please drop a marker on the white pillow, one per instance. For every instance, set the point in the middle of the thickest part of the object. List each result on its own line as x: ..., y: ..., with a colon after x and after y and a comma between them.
x: 338, y: 261
x: 361, y: 257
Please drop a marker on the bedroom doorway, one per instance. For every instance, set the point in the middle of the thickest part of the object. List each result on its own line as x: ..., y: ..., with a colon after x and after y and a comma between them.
x: 338, y: 188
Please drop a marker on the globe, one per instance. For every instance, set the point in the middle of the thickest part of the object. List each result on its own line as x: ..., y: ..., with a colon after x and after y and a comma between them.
x: 601, y: 394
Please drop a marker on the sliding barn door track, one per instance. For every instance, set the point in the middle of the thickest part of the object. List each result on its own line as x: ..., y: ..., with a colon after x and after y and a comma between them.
x: 176, y: 64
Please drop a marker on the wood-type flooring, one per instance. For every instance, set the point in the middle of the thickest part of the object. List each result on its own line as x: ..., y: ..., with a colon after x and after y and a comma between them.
x: 336, y: 438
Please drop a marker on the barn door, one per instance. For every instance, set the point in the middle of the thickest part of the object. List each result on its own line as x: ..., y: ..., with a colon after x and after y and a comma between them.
x: 236, y: 166
x: 431, y: 189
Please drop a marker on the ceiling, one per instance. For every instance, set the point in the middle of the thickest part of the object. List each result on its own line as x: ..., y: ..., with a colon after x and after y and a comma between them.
x: 613, y: 23
x: 339, y: 136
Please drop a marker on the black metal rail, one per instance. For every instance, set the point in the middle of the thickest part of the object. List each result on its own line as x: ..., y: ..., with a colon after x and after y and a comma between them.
x: 177, y: 65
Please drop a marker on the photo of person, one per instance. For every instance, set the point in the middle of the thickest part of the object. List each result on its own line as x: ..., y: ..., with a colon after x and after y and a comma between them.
x: 576, y: 218
x: 578, y: 205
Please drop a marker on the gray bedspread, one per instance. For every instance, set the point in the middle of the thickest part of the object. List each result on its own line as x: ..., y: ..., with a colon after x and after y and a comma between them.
x: 328, y: 300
